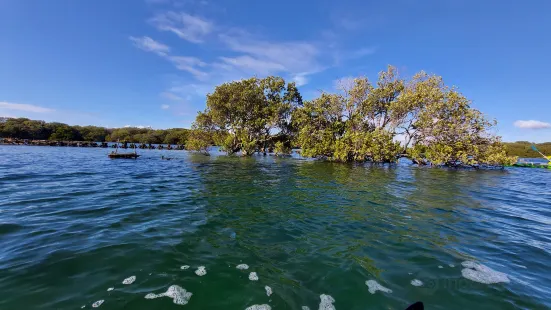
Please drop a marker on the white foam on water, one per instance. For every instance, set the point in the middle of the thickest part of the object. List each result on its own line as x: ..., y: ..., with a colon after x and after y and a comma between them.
x: 482, y: 274
x: 410, y: 273
x: 253, y: 276
x: 201, y: 271
x: 259, y: 307
x: 184, y: 267
x: 326, y: 302
x: 178, y: 294
x: 268, y: 290
x: 440, y: 267
x: 242, y: 267
x: 110, y: 289
x: 373, y: 287
x: 416, y: 282
x: 129, y: 280
x: 83, y: 307
x: 305, y: 308
x: 451, y: 265
x: 97, y: 303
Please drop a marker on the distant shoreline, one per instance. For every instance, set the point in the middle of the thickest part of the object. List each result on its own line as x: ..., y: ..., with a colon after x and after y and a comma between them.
x: 123, y: 145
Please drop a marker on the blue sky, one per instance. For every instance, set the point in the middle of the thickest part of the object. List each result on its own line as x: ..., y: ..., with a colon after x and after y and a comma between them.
x: 151, y: 62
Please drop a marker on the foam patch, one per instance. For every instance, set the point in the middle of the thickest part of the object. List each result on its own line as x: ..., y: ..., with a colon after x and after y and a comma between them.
x: 305, y: 308
x: 83, y: 307
x: 129, y: 280
x: 178, y: 294
x: 326, y: 302
x: 242, y: 267
x: 110, y: 289
x: 451, y: 265
x: 201, y: 271
x: 184, y: 267
x: 253, y: 276
x: 268, y: 290
x: 373, y: 287
x: 97, y: 303
x: 482, y: 274
x: 259, y: 307
x: 416, y: 282
x: 440, y: 267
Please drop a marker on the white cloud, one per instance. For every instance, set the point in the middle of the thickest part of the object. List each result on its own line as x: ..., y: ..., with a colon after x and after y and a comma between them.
x: 149, y: 45
x: 24, y: 107
x: 532, y: 124
x: 189, y: 64
x: 165, y: 106
x: 293, y: 57
x: 247, y: 63
x: 300, y: 79
x: 188, y: 27
x: 139, y: 126
x: 359, y: 53
x: 171, y: 96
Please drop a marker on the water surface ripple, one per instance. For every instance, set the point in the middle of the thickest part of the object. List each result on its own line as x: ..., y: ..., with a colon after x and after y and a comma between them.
x: 74, y: 223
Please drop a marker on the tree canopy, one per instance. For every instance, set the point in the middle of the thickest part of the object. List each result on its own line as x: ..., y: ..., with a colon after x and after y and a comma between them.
x: 248, y: 115
x: 421, y: 118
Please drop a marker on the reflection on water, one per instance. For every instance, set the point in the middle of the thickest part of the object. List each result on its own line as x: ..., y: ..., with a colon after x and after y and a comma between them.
x: 74, y: 223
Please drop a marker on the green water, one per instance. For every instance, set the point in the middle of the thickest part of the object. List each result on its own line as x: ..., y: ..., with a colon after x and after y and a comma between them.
x: 74, y: 223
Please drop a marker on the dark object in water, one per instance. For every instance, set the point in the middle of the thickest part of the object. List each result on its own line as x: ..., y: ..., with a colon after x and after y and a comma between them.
x: 416, y: 306
x: 123, y: 155
x: 115, y: 154
x: 166, y: 158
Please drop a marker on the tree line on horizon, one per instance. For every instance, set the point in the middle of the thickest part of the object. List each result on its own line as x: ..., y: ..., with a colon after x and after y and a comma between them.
x: 24, y: 128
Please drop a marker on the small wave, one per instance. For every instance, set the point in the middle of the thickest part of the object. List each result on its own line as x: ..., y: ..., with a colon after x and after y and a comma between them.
x: 97, y: 303
x: 416, y: 282
x: 242, y: 266
x: 268, y: 290
x: 253, y: 276
x: 178, y: 294
x: 259, y: 307
x: 373, y: 287
x: 482, y: 274
x: 110, y: 289
x: 326, y: 302
x: 129, y: 280
x: 184, y: 267
x: 201, y: 271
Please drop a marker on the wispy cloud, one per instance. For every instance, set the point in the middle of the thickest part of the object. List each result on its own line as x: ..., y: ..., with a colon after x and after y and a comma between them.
x: 149, y: 45
x: 292, y: 56
x: 165, y: 106
x: 190, y: 65
x: 24, y: 107
x: 171, y: 96
x: 300, y: 79
x: 532, y: 124
x: 186, y: 26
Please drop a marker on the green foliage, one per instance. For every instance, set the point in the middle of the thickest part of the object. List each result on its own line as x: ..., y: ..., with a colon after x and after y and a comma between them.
x: 23, y: 128
x: 364, y: 122
x: 244, y: 116
x: 199, y: 140
x: 523, y: 149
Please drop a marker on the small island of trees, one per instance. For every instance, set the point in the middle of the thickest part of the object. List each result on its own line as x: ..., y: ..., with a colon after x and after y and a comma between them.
x: 420, y: 118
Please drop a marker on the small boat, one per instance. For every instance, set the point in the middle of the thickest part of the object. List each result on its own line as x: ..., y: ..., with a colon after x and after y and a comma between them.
x: 116, y: 154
